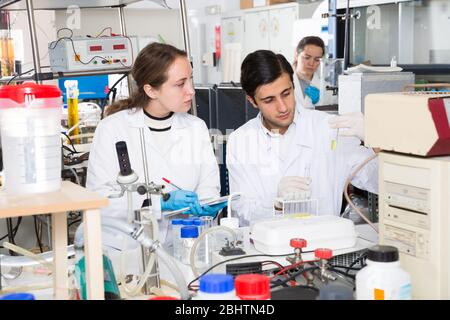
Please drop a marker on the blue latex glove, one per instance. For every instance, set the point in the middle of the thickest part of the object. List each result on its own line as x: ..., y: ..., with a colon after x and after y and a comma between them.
x: 313, y: 93
x: 180, y: 199
x: 212, y: 210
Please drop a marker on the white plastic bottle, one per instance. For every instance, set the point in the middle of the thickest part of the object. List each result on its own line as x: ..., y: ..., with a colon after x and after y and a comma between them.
x: 382, y: 278
x: 216, y: 287
x: 394, y: 62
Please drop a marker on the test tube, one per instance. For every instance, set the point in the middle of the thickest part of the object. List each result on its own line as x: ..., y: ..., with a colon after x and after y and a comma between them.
x: 208, y: 241
x: 335, y: 140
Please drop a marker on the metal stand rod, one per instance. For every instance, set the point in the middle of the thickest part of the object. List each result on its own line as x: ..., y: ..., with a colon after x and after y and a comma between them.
x: 145, y: 252
x: 123, y: 28
x: 123, y: 31
x: 187, y: 47
x: 34, y: 43
x: 347, y: 21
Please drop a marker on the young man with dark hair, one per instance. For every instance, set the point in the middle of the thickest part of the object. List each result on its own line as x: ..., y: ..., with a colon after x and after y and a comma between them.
x: 287, y: 154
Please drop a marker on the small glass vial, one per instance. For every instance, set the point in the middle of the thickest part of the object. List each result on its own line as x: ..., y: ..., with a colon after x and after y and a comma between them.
x: 382, y: 278
x: 216, y: 287
x: 252, y: 287
x: 188, y: 236
x: 176, y: 237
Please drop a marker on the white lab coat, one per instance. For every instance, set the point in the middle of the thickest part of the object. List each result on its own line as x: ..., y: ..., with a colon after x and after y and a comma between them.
x: 188, y: 160
x: 326, y: 96
x: 255, y: 167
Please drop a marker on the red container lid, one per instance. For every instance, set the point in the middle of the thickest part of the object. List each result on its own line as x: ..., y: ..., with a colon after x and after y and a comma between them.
x: 252, y: 287
x: 19, y: 92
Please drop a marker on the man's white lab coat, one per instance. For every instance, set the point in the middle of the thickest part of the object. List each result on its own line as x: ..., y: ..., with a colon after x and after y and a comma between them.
x: 255, y: 167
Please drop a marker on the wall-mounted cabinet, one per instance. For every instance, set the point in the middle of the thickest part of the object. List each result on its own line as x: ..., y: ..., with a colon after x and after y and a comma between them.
x: 248, y: 30
x: 271, y: 29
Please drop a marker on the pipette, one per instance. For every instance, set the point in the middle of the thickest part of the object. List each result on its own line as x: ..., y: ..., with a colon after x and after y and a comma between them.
x: 172, y: 184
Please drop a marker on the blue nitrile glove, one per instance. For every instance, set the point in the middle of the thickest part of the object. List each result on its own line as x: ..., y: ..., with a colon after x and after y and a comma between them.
x: 313, y: 93
x: 180, y: 199
x: 212, y: 210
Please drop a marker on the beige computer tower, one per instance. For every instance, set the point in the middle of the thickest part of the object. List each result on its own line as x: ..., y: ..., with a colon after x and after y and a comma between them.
x: 414, y: 217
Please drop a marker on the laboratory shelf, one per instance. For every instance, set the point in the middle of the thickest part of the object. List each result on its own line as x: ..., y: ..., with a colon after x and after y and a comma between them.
x: 63, y: 4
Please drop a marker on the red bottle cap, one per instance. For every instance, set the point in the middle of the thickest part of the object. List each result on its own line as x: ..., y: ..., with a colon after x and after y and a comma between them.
x: 298, y: 243
x: 323, y: 253
x: 252, y: 287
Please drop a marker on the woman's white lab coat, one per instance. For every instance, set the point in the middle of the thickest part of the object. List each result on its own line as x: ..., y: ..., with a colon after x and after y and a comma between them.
x: 326, y: 96
x: 255, y: 167
x: 187, y: 159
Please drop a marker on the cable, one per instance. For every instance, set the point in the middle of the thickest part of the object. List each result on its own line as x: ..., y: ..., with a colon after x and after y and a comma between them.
x: 293, y: 276
x: 37, y: 234
x: 11, y: 234
x: 343, y: 273
x: 70, y: 141
x: 360, y: 258
x: 77, y: 179
x: 64, y: 28
x: 68, y: 149
x: 292, y: 266
x: 110, y: 32
x: 344, y: 267
x: 238, y: 258
x: 73, y: 222
x: 200, y: 238
x: 19, y: 220
x: 347, y: 183
x: 102, y: 107
x: 267, y: 262
x: 19, y: 75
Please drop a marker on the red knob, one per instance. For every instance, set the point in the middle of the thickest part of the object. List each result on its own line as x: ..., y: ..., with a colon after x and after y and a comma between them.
x: 323, y: 253
x: 298, y: 243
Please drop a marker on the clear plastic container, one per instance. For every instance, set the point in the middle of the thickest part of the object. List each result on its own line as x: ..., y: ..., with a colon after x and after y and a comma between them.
x: 30, y: 122
x: 216, y: 287
x: 188, y: 236
x: 176, y: 237
x: 382, y: 278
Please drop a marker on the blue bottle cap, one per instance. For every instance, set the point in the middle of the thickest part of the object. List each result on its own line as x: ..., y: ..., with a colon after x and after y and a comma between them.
x: 216, y: 283
x: 187, y: 222
x: 177, y: 221
x: 189, y: 232
x: 18, y: 296
x: 198, y: 222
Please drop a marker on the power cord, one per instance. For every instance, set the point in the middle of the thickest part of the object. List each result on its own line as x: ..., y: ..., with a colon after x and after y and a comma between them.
x: 105, y: 100
x: 238, y: 258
